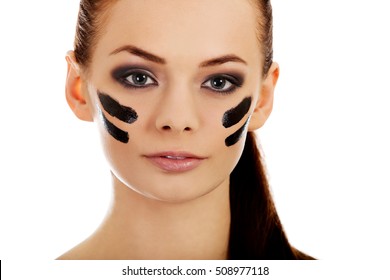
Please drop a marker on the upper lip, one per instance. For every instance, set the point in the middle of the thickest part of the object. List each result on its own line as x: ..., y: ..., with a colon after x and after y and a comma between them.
x: 177, y: 155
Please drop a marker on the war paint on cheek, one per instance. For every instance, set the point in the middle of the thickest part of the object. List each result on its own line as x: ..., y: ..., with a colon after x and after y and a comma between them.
x: 235, y: 115
x: 114, y: 131
x: 236, y: 136
x: 123, y: 113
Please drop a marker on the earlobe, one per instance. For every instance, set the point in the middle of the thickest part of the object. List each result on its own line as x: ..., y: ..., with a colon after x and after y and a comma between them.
x: 74, y: 91
x: 265, y: 103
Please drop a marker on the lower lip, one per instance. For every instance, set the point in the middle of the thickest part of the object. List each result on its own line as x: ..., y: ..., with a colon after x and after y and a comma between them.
x: 175, y: 165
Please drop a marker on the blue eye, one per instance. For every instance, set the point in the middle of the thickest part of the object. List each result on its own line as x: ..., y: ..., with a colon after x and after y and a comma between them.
x: 134, y: 78
x: 222, y: 83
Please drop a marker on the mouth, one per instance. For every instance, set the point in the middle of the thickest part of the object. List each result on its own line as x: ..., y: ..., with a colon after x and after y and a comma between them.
x: 175, y: 162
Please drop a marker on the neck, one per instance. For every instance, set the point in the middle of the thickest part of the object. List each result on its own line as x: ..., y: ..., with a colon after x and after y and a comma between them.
x: 143, y: 228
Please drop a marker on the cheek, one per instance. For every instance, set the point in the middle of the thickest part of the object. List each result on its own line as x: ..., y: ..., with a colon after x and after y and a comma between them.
x: 236, y: 136
x: 117, y: 133
x: 113, y: 108
x: 234, y: 116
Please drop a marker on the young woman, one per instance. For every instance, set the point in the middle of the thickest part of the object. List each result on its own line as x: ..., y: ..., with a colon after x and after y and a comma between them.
x: 177, y: 89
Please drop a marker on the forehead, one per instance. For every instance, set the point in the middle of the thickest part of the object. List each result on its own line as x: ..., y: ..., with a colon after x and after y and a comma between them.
x: 174, y: 28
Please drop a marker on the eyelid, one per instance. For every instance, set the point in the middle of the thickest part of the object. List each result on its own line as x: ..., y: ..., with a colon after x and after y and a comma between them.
x: 235, y: 79
x: 120, y: 74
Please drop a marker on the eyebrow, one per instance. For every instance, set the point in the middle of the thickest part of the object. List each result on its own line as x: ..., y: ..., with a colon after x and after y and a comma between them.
x: 222, y: 60
x: 154, y: 58
x: 140, y: 52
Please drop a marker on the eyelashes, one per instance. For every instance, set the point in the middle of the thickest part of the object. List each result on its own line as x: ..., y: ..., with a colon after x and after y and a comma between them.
x: 134, y: 78
x: 223, y: 83
x: 138, y: 78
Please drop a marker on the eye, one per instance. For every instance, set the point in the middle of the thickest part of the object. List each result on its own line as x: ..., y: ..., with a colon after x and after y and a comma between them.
x: 134, y: 78
x: 139, y: 79
x: 222, y: 83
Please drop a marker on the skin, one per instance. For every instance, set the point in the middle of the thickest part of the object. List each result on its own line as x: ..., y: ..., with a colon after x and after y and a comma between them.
x: 157, y: 214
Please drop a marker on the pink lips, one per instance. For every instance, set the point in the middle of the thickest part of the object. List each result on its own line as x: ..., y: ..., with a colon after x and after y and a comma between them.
x: 175, y: 161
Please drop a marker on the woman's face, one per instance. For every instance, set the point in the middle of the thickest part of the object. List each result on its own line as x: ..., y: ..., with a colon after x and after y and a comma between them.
x: 172, y: 85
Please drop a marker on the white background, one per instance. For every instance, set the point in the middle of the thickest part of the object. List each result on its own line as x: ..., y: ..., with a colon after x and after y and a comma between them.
x: 326, y: 143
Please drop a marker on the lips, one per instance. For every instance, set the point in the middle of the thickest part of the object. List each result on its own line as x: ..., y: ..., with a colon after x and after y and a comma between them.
x: 175, y: 161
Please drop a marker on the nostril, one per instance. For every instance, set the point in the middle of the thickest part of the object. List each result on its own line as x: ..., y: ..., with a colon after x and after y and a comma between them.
x: 166, y: 127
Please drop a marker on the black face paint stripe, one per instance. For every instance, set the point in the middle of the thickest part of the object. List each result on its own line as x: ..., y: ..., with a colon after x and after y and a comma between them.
x: 114, y: 131
x: 236, y: 136
x: 117, y: 110
x: 235, y: 115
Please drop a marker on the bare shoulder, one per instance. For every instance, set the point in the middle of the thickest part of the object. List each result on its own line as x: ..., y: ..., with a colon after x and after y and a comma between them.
x: 79, y: 252
x: 89, y: 249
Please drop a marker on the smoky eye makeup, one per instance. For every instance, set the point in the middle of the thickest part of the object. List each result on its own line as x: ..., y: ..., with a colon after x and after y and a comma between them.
x: 223, y: 83
x: 134, y: 77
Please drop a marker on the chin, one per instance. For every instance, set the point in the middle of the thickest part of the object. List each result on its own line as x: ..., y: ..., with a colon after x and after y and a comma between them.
x: 169, y: 192
x: 175, y: 195
x: 173, y: 187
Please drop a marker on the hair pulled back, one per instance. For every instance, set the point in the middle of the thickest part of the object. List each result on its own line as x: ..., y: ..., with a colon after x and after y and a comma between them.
x: 255, y: 231
x: 92, y: 15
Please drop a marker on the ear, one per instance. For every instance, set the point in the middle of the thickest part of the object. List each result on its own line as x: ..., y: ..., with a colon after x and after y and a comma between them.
x: 75, y: 92
x: 264, y: 104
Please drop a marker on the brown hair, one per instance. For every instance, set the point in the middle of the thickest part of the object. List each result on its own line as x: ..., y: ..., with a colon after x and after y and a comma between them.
x: 92, y: 14
x: 265, y: 33
x: 255, y: 231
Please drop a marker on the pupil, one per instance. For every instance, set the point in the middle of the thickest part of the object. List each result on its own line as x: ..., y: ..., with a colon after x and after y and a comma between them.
x: 139, y: 78
x: 219, y: 83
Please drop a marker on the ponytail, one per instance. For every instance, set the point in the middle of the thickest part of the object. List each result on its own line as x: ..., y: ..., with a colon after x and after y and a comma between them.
x: 255, y: 230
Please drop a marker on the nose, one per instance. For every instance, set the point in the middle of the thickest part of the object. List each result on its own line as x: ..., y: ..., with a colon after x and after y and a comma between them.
x: 177, y: 111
